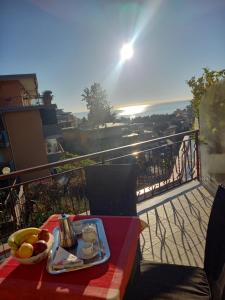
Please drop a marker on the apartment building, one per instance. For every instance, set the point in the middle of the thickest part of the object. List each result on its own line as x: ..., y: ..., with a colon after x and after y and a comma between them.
x: 29, y: 133
x: 66, y: 119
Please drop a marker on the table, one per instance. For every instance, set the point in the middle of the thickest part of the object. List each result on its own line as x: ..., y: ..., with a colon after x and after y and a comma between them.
x: 105, y: 281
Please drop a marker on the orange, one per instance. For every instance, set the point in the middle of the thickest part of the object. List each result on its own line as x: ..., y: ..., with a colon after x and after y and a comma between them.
x: 33, y: 238
x: 25, y: 250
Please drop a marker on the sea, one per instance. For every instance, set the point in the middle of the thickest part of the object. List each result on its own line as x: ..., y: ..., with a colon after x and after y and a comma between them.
x: 133, y: 111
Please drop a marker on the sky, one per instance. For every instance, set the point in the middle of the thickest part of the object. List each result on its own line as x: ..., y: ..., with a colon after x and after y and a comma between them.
x: 71, y: 44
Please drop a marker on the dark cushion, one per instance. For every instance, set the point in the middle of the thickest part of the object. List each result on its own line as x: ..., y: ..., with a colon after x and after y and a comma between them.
x: 215, y: 238
x: 174, y: 282
x: 214, y: 263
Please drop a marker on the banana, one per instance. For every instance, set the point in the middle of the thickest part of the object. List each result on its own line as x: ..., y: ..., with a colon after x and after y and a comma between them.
x: 18, y: 237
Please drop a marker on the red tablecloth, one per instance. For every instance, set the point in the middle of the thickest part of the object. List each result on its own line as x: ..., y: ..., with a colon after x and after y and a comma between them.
x: 105, y: 281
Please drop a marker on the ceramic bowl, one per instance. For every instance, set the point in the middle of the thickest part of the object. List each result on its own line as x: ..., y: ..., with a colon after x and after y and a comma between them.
x: 37, y: 258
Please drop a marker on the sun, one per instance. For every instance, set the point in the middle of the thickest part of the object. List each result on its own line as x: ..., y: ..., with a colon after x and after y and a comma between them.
x: 126, y: 52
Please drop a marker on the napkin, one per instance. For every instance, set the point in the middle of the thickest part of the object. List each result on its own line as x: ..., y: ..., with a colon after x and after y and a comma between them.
x: 64, y: 259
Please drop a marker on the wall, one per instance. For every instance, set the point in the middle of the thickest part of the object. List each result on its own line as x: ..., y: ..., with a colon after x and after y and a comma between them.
x: 26, y: 141
x: 11, y: 90
x: 6, y: 154
x: 74, y: 141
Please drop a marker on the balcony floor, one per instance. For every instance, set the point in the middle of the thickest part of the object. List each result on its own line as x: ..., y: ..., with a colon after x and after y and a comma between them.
x: 178, y: 223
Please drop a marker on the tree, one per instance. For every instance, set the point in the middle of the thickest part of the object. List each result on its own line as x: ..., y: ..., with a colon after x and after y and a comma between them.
x: 200, y: 85
x: 71, y: 166
x: 99, y: 108
x: 83, y: 123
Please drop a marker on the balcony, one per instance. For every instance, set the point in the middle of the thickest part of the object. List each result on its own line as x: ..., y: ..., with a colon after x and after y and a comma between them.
x: 178, y: 222
x: 51, y: 131
x: 54, y: 150
x: 169, y: 196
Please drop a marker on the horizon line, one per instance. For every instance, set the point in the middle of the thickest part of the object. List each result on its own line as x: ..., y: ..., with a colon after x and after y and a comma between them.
x: 147, y: 103
x: 151, y: 102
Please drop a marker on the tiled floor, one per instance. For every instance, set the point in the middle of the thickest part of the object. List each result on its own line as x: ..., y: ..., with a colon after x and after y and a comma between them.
x: 177, y: 225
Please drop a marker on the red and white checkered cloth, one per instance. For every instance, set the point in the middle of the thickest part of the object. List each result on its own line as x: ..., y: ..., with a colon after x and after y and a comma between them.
x: 105, y: 281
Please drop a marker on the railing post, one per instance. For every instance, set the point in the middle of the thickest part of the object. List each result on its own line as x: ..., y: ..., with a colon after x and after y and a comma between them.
x: 102, y: 159
x: 197, y: 154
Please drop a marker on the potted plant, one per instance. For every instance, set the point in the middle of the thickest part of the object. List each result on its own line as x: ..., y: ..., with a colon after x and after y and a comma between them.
x: 212, y: 127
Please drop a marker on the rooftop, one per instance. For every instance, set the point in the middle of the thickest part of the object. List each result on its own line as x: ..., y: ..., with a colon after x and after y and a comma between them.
x: 26, y: 108
x: 28, y: 81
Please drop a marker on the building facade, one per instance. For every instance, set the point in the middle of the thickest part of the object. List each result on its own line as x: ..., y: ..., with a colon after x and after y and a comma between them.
x: 29, y: 133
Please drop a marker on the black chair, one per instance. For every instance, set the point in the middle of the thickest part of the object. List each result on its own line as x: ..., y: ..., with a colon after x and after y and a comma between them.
x: 174, y: 282
x: 111, y: 189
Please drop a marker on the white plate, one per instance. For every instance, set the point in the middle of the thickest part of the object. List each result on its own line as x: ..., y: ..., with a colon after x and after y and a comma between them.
x: 81, y: 255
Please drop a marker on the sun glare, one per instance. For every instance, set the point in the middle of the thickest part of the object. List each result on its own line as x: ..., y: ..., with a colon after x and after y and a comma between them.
x: 126, y: 51
x: 132, y: 110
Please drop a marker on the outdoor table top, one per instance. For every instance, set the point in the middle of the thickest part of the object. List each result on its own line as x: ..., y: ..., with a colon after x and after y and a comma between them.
x: 105, y: 281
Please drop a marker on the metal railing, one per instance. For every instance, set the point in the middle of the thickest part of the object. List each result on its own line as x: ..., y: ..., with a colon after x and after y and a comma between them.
x: 29, y: 196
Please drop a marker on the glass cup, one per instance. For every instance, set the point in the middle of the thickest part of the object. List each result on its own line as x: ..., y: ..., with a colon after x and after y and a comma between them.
x: 87, y: 248
x: 89, y: 233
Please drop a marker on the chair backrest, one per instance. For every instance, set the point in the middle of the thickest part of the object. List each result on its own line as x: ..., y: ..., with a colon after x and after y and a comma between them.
x: 215, y: 242
x: 111, y: 189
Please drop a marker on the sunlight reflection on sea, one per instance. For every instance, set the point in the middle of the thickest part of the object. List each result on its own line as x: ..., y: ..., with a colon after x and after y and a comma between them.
x: 133, y: 111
